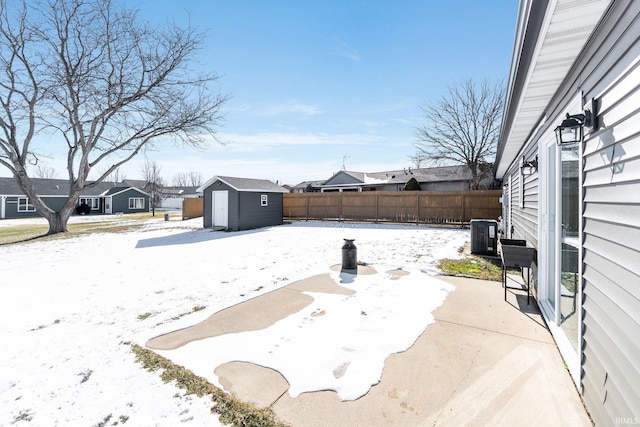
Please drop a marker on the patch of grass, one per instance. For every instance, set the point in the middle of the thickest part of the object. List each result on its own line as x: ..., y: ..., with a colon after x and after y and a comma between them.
x: 472, y: 267
x: 22, y: 232
x: 23, y: 416
x: 232, y: 411
x: 193, y: 310
x: 100, y: 223
x: 144, y: 316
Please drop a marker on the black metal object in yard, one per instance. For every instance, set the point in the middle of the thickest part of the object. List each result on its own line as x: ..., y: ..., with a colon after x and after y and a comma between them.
x: 484, y: 236
x: 516, y: 255
x: 349, y: 257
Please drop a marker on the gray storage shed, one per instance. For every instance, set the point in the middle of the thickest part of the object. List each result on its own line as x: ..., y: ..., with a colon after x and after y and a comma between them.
x: 241, y: 203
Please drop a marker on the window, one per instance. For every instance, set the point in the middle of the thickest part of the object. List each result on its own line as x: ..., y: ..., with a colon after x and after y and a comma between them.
x: 24, y: 205
x: 93, y: 202
x: 136, y: 203
x: 264, y: 200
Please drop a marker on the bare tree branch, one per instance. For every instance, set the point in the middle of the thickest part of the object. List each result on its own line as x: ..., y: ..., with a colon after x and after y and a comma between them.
x: 463, y: 127
x: 151, y: 172
x: 102, y: 83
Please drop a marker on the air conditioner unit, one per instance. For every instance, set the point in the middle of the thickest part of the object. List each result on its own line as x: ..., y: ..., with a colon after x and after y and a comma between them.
x: 484, y: 237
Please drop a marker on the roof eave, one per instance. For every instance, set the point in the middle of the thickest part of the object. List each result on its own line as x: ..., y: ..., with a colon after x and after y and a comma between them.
x: 551, y: 35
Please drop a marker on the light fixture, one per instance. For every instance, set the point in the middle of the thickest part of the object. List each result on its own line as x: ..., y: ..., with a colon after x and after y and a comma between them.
x: 530, y: 167
x: 571, y: 130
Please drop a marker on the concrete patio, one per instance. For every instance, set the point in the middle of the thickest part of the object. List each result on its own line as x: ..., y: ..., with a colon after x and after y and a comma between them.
x: 483, y: 362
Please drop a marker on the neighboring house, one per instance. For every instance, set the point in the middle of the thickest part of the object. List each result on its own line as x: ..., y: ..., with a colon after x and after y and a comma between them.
x: 578, y: 203
x: 166, y: 197
x: 445, y: 178
x: 241, y: 203
x: 104, y: 198
x: 172, y: 197
x: 307, y: 187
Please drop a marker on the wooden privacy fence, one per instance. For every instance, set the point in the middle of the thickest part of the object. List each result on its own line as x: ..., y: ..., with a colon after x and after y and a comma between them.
x: 433, y: 207
x: 192, y: 208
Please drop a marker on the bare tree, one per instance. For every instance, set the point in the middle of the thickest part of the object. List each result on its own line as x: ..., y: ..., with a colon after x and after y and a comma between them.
x: 180, y: 179
x: 115, y: 176
x: 100, y: 81
x: 419, y: 160
x: 463, y: 127
x: 46, y: 172
x: 154, y: 182
x: 184, y: 179
x: 195, y: 179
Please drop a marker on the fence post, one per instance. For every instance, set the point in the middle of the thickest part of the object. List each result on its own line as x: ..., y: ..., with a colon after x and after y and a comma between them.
x: 464, y: 213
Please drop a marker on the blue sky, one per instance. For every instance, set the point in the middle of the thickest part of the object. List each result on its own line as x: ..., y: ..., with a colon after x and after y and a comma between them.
x: 319, y: 84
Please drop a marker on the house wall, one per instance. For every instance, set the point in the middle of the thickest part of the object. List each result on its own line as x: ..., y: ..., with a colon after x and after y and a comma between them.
x: 523, y: 193
x: 608, y: 70
x: 342, y: 178
x: 11, y: 206
x: 120, y: 202
x: 445, y: 186
x: 611, y: 225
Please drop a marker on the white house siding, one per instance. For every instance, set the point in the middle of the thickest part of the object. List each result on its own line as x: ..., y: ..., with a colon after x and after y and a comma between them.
x: 611, y: 221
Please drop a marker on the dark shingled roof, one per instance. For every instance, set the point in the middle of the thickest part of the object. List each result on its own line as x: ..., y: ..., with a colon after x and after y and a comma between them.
x: 246, y: 184
x: 55, y: 187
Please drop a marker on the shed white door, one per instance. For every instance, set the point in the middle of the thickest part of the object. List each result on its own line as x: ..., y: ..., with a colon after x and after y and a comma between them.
x: 107, y: 205
x: 220, y: 208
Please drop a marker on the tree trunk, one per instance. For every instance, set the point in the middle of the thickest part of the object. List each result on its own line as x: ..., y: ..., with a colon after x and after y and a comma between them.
x: 58, y: 220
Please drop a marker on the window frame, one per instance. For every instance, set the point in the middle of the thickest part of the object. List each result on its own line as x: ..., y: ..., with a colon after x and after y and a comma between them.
x: 94, y: 202
x: 133, y: 202
x: 25, y: 205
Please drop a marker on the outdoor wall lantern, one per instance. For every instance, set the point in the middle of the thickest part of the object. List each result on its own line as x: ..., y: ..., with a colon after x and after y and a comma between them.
x: 571, y: 129
x: 530, y: 167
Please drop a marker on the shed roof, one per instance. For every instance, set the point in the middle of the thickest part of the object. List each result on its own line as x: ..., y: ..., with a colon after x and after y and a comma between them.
x: 246, y: 184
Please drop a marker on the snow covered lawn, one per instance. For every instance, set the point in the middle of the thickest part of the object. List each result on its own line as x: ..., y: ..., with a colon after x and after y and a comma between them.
x: 71, y: 306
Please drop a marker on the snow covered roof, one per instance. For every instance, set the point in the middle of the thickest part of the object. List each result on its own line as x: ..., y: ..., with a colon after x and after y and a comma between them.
x: 422, y: 175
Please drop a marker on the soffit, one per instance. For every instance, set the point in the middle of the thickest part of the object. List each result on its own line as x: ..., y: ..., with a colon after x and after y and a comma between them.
x: 566, y: 28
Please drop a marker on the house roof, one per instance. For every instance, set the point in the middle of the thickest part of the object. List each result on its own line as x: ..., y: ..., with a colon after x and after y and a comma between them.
x: 112, y: 191
x: 138, y: 183
x: 56, y: 187
x: 246, y: 184
x: 422, y: 175
x: 549, y: 38
x: 179, y: 190
x: 305, y: 184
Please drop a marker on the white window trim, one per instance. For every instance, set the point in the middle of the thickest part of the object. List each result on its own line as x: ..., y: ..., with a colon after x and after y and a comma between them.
x: 93, y: 202
x: 27, y: 206
x: 133, y: 202
x: 264, y: 200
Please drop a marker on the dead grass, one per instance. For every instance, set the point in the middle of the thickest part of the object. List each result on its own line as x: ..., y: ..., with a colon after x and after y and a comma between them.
x: 102, y: 224
x: 231, y: 410
x: 473, y: 267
